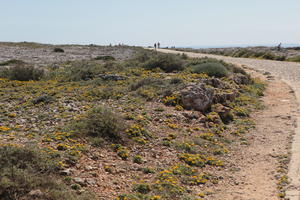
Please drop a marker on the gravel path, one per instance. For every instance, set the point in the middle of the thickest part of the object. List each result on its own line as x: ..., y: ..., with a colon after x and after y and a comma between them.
x: 289, y: 72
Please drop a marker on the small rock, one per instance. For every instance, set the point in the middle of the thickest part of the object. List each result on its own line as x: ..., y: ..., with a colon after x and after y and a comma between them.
x: 80, y: 181
x: 121, y: 171
x: 91, y: 181
x: 241, y: 79
x: 89, y: 168
x: 66, y: 172
x: 192, y: 115
x: 111, y: 77
x: 35, y: 193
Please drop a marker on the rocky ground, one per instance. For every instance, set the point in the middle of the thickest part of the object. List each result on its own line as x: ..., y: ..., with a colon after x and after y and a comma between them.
x: 172, y: 133
x: 42, y: 54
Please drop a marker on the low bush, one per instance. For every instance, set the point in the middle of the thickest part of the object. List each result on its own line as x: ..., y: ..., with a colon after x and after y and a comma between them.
x: 22, y: 73
x: 75, y: 72
x: 12, y: 62
x: 294, y: 59
x: 58, y: 50
x: 166, y: 62
x: 101, y: 122
x: 105, y: 58
x: 211, y: 69
x: 142, y: 188
x: 26, y: 169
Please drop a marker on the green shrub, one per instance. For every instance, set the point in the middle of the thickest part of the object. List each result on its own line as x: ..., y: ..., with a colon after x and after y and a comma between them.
x: 269, y: 56
x: 211, y: 69
x: 142, y: 188
x: 101, y: 122
x: 137, y: 159
x: 22, y: 73
x: 24, y: 169
x: 58, y: 50
x: 176, y: 81
x: 144, y: 82
x: 236, y: 69
x: 75, y: 72
x: 294, y: 59
x: 97, y: 142
x: 242, y: 53
x: 42, y: 99
x: 105, y: 58
x: 12, y: 62
x: 166, y: 62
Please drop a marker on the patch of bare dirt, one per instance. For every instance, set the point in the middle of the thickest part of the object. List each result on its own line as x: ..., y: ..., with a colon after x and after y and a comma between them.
x: 254, y: 174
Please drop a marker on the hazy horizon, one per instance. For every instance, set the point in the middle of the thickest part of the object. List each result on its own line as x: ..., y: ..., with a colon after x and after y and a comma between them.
x: 142, y: 23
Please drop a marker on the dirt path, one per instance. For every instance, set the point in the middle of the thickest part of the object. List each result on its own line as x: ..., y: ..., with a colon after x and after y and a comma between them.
x: 255, y: 178
x: 257, y: 164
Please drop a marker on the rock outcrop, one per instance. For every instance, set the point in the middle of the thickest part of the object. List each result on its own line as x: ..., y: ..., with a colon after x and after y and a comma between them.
x: 197, y: 97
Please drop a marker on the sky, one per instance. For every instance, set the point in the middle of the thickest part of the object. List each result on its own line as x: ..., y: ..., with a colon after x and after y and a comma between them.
x: 144, y: 22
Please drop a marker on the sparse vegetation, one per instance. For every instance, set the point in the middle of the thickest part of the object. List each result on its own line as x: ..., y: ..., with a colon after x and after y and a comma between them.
x: 101, y: 122
x: 12, y: 62
x: 22, y: 73
x: 105, y: 58
x: 211, y: 69
x: 128, y: 115
x: 294, y: 59
x: 165, y: 62
x: 58, y: 50
x: 25, y: 169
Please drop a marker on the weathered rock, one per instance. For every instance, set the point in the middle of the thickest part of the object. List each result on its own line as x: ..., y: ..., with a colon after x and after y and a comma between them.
x: 109, y: 77
x: 89, y: 168
x: 223, y: 96
x: 66, y: 172
x: 192, y: 115
x: 35, y: 193
x: 91, y: 181
x: 80, y: 181
x: 241, y: 79
x: 43, y: 98
x: 224, y: 113
x: 213, y: 118
x: 197, y: 97
x: 215, y: 82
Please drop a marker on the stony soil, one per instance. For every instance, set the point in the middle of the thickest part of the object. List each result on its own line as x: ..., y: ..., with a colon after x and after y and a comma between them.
x: 252, y: 173
x: 42, y: 54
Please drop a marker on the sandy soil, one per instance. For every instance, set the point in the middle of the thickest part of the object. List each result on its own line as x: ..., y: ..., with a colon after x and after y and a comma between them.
x: 257, y: 164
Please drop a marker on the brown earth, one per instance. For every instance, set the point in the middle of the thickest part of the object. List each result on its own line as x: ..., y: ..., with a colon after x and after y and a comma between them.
x: 256, y: 166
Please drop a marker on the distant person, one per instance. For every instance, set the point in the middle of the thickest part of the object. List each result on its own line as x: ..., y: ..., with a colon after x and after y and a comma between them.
x: 155, y: 46
x: 158, y: 45
x: 279, y: 47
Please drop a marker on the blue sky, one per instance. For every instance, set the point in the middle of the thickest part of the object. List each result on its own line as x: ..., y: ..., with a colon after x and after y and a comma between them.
x: 143, y: 22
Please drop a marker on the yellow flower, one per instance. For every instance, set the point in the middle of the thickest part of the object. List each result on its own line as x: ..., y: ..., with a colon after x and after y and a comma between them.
x: 4, y: 128
x: 12, y: 115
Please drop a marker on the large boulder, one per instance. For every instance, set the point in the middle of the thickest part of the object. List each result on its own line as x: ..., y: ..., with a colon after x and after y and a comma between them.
x: 197, y: 97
